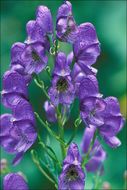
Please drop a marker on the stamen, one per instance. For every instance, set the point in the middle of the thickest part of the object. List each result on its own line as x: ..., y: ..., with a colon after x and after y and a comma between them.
x: 35, y: 56
x: 62, y: 85
x: 72, y: 173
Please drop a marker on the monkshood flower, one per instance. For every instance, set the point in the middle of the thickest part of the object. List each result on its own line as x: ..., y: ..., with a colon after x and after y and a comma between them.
x: 113, y: 122
x: 102, y: 113
x: 14, y: 181
x: 32, y: 57
x: 97, y: 154
x: 50, y: 112
x: 17, y: 131
x: 14, y: 89
x: 86, y: 47
x: 72, y: 176
x: 65, y: 25
x: 62, y: 90
x: 79, y: 72
x: 39, y: 29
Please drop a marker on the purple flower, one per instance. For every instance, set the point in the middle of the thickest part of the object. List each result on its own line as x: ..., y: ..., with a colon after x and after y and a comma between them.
x: 65, y: 24
x: 86, y: 48
x: 50, y: 112
x: 14, y: 181
x: 91, y: 108
x: 34, y: 58
x: 39, y: 29
x: 79, y: 72
x: 17, y: 131
x: 36, y: 34
x: 31, y: 57
x: 62, y: 90
x: 97, y: 154
x: 72, y: 176
x: 105, y: 115
x: 14, y: 88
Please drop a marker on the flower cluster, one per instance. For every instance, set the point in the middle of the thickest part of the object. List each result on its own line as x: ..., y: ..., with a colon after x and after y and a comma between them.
x: 73, y: 77
x: 18, y: 129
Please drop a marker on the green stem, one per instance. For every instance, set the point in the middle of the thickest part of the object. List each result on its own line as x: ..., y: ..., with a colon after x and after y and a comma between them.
x: 52, y: 157
x: 76, y: 124
x: 47, y: 69
x: 56, y: 46
x: 61, y: 132
x: 36, y: 161
x: 40, y: 84
x: 52, y: 133
x: 97, y: 180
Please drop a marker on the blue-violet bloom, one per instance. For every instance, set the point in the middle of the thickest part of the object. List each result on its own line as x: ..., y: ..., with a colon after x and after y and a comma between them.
x: 65, y: 25
x: 97, y: 155
x: 105, y: 115
x: 62, y: 90
x: 72, y: 176
x: 14, y: 181
x: 14, y: 89
x: 86, y: 47
x: 17, y: 131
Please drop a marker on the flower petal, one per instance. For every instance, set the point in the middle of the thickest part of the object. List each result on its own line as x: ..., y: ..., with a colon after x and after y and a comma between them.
x: 88, y: 87
x: 44, y: 19
x: 87, y: 138
x: 14, y: 181
x: 14, y: 82
x: 24, y: 111
x: 113, y: 142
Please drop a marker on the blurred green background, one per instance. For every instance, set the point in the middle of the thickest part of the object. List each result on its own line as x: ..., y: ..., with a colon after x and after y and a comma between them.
x: 109, y: 18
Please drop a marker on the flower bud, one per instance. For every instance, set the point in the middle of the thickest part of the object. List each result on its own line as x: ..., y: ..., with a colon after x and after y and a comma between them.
x: 106, y: 186
x: 3, y: 164
x: 125, y: 175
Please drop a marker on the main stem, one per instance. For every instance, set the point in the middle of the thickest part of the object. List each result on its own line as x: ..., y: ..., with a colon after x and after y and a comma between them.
x: 61, y: 132
x: 52, y: 133
x: 59, y: 118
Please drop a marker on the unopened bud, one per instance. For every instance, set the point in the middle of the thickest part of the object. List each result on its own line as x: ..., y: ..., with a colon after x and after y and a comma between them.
x: 106, y: 186
x: 3, y: 164
x: 125, y: 175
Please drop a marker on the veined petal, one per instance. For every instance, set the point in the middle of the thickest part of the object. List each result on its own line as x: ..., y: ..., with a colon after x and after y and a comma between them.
x: 87, y: 138
x: 44, y: 19
x: 24, y: 111
x: 14, y: 82
x: 14, y: 181
x: 88, y: 87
